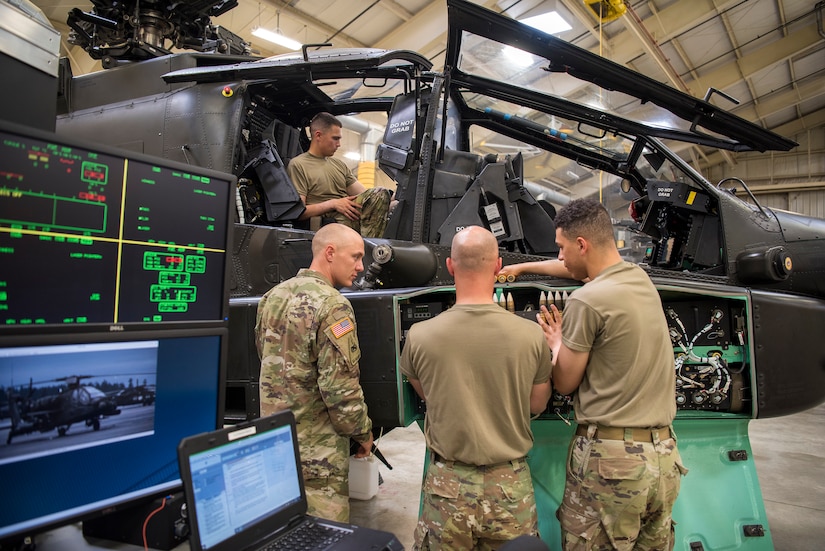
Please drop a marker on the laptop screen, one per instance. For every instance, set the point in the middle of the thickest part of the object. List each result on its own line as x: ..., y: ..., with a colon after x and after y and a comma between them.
x: 243, y: 481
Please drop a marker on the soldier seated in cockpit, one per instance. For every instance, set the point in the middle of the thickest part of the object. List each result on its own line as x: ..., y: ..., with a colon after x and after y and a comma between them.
x: 328, y: 188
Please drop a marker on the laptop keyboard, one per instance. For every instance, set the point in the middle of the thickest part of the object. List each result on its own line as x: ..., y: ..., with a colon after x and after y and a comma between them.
x: 307, y: 537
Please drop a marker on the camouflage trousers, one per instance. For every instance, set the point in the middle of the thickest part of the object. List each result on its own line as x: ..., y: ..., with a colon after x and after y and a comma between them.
x: 375, y: 209
x: 328, y: 497
x: 619, y: 494
x: 469, y: 507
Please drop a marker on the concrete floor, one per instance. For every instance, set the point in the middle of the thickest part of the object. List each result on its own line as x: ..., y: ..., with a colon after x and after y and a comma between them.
x: 395, y: 508
x: 790, y: 461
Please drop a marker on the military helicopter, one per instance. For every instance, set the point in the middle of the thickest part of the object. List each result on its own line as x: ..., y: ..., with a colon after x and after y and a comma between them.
x: 138, y: 394
x: 481, y: 139
x: 59, y: 409
x: 517, y: 124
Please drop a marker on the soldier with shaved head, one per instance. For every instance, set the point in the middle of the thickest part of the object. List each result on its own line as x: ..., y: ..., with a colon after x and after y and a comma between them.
x: 482, y: 372
x: 308, y: 345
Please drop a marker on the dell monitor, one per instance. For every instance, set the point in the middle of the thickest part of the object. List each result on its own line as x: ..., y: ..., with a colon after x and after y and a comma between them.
x: 113, y: 324
x: 94, y: 238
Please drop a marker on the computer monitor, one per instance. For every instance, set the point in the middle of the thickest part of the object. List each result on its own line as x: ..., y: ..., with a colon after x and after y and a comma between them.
x: 113, y: 323
x: 90, y: 425
x: 94, y: 238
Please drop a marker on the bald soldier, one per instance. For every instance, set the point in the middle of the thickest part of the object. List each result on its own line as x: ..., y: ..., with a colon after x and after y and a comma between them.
x: 308, y: 346
x: 482, y: 371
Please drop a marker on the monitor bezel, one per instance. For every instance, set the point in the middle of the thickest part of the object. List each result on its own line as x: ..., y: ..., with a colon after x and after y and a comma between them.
x: 21, y: 330
x: 38, y: 525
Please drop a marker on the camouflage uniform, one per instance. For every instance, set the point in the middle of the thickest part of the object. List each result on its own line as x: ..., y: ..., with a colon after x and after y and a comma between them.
x: 477, y: 492
x: 308, y: 345
x: 504, y: 505
x: 319, y: 179
x: 619, y: 494
x: 622, y: 478
x: 375, y: 209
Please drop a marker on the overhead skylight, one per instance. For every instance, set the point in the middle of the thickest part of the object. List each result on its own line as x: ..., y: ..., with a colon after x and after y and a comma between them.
x: 550, y: 22
x: 519, y: 57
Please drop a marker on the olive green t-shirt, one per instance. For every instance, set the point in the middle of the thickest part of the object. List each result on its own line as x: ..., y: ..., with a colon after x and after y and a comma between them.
x: 477, y: 365
x: 629, y: 380
x: 319, y: 178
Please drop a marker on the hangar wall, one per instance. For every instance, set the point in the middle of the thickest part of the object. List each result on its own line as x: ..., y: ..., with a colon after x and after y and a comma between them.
x: 811, y: 203
x: 793, y: 181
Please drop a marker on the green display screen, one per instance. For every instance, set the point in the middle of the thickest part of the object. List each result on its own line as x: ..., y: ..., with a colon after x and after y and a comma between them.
x: 94, y: 236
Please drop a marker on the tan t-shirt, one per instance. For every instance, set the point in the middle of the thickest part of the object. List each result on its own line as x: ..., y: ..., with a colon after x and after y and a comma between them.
x: 319, y: 178
x: 477, y: 365
x: 629, y: 380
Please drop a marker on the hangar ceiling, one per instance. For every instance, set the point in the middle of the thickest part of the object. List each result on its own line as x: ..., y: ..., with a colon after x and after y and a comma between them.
x: 767, y: 54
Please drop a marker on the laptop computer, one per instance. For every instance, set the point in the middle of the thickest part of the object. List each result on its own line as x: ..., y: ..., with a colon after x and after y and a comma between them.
x: 244, y: 491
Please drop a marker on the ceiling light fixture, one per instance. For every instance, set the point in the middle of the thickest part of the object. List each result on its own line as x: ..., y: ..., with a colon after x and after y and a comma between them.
x: 519, y: 57
x: 277, y: 37
x: 550, y: 22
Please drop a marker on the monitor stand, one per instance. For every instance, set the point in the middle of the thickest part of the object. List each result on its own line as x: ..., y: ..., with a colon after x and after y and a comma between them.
x: 166, y: 528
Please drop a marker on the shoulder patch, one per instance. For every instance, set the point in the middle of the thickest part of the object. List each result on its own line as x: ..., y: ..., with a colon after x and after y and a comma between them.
x: 343, y: 327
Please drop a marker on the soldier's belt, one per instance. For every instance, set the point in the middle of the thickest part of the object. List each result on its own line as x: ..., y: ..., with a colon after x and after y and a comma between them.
x: 618, y: 433
x: 515, y: 463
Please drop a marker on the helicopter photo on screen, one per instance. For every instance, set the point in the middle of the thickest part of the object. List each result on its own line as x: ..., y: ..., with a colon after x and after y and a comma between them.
x: 75, y: 396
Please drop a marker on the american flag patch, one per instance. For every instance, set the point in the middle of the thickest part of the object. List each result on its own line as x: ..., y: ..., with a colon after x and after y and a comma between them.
x: 342, y: 328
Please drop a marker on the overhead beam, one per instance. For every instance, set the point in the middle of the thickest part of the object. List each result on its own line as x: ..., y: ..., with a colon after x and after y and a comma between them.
x: 810, y: 121
x: 668, y: 23
x: 311, y: 22
x: 773, y: 103
x: 635, y: 25
x: 769, y: 54
x: 422, y: 29
x: 396, y: 9
x: 787, y: 188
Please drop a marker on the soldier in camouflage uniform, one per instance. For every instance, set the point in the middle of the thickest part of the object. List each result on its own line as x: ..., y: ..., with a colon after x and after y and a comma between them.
x: 308, y: 345
x: 482, y: 371
x: 613, y: 349
x: 328, y: 188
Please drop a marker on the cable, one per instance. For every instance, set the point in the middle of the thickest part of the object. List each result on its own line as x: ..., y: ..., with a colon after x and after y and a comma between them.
x: 146, y: 522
